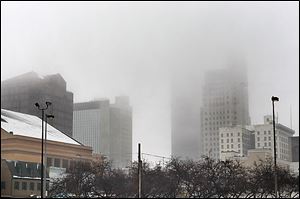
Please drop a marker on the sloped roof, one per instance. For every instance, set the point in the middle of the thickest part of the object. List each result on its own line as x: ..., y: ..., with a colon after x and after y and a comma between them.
x: 31, y: 126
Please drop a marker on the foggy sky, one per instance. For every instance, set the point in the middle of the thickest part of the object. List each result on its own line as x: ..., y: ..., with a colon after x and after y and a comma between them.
x: 105, y: 49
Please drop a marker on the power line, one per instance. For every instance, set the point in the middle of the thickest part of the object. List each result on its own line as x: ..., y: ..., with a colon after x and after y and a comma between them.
x: 158, y: 156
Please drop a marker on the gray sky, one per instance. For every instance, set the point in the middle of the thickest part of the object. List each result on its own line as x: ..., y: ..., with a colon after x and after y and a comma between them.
x: 104, y: 49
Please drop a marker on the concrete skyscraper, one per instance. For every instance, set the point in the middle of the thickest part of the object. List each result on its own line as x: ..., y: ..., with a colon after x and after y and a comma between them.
x: 107, y: 128
x: 22, y: 92
x: 185, y: 118
x: 91, y: 125
x: 224, y: 104
x: 121, y: 132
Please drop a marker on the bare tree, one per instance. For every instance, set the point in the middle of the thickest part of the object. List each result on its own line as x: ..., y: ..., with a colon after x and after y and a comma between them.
x: 79, y: 181
x: 206, y: 178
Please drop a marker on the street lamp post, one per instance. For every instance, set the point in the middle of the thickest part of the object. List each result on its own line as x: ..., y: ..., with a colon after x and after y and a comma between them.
x: 42, y: 154
x: 45, y: 154
x: 275, y: 167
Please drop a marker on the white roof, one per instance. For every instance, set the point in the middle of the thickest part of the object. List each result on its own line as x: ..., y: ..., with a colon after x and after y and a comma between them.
x: 31, y: 126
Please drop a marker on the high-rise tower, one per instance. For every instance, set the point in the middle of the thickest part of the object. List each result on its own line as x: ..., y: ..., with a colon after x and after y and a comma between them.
x: 224, y: 104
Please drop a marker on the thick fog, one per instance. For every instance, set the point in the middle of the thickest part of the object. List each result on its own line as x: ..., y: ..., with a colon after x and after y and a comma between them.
x: 105, y: 49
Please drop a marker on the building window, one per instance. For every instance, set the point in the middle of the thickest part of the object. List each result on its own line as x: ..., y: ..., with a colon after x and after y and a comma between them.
x: 221, y: 140
x: 231, y: 134
x: 239, y: 145
x: 258, y: 139
x: 72, y: 162
x: 239, y: 139
x: 227, y: 146
x: 65, y: 163
x: 227, y: 140
x: 221, y: 134
x: 269, y: 138
x: 257, y: 132
x: 258, y: 144
x: 31, y: 186
x: 231, y: 140
x: 265, y: 132
x: 265, y: 138
x: 232, y: 146
x: 2, y: 185
x: 222, y: 146
x: 38, y: 186
x: 17, y: 185
x: 239, y: 134
x: 57, y: 162
x: 269, y: 132
x: 49, y: 162
x: 24, y: 185
x: 269, y: 143
x: 265, y: 144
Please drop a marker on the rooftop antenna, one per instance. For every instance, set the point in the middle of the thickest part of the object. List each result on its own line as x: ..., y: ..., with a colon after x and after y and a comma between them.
x: 291, y: 116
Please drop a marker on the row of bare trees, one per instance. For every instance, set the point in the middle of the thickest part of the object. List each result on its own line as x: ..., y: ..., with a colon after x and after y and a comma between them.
x: 179, y: 178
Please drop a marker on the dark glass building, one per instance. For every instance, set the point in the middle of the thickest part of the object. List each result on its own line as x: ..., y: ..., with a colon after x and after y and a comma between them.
x: 22, y: 92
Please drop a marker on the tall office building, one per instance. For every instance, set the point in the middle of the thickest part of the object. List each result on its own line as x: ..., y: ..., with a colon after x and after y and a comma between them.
x: 91, y: 125
x: 121, y: 132
x: 185, y: 117
x: 22, y: 92
x: 224, y: 104
x: 107, y: 128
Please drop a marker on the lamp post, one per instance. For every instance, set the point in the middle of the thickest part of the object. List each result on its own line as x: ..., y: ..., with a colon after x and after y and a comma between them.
x: 42, y: 154
x: 275, y: 167
x: 45, y: 154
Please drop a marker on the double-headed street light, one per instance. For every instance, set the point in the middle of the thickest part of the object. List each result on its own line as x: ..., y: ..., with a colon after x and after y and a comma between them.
x: 275, y: 168
x: 42, y: 154
x: 45, y: 158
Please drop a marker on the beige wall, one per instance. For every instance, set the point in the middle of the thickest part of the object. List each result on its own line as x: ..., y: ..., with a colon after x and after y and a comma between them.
x: 261, y: 154
x: 15, y: 147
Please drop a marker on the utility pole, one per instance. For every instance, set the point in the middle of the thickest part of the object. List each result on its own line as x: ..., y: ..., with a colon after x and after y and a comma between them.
x: 139, y: 172
x: 42, y: 152
x: 45, y: 154
x: 291, y: 117
x: 274, y: 131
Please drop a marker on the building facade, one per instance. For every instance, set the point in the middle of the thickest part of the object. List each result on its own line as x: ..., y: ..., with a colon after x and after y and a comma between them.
x: 21, y: 145
x: 91, y: 125
x: 224, y: 104
x: 121, y: 132
x: 22, y: 92
x: 264, y: 138
x: 257, y: 156
x: 107, y: 128
x: 235, y: 141
x: 185, y: 116
x: 20, y: 179
x: 294, y: 143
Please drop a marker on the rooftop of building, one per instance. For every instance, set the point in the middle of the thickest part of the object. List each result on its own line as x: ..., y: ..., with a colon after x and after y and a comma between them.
x: 30, y: 126
x: 95, y: 104
x: 33, y: 75
x: 98, y: 103
x: 237, y: 127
